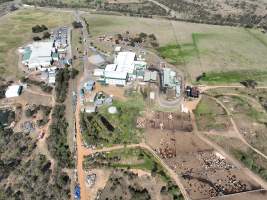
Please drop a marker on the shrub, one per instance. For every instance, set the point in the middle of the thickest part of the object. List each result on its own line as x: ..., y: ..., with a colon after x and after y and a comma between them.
x: 39, y: 29
x: 36, y: 38
x: 46, y: 35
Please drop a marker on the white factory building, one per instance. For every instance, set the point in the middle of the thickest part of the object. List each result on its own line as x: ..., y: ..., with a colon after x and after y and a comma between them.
x: 39, y: 55
x: 123, y: 69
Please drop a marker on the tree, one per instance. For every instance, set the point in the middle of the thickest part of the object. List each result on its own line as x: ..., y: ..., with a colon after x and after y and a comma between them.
x: 44, y: 28
x: 142, y: 35
x: 39, y: 29
x: 152, y: 36
x: 46, y: 35
x: 36, y: 38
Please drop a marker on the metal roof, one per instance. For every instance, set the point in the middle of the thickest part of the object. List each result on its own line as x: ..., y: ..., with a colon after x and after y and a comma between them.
x: 169, y: 77
x: 41, y: 53
x: 13, y: 91
x: 26, y: 54
x: 125, y: 62
x: 116, y: 75
x: 150, y: 76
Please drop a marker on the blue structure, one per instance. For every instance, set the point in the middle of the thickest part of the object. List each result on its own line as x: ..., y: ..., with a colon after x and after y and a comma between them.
x: 89, y: 86
x: 77, y: 192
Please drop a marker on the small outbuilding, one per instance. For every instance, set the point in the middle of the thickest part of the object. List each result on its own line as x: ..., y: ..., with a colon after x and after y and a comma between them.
x: 117, y: 49
x: 150, y: 76
x: 13, y: 91
x: 89, y: 85
x: 90, y: 109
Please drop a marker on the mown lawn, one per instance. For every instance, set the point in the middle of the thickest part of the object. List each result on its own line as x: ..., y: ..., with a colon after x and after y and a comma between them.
x: 178, y: 54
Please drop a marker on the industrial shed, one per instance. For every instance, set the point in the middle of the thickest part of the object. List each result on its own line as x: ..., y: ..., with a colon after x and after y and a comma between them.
x: 114, y: 78
x: 39, y: 54
x: 13, y: 91
x: 124, y: 68
x: 150, y: 76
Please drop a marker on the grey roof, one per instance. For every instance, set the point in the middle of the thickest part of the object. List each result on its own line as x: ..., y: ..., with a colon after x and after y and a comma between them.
x: 150, y: 76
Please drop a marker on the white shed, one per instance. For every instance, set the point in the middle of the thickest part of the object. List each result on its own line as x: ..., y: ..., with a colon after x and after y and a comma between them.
x: 13, y: 91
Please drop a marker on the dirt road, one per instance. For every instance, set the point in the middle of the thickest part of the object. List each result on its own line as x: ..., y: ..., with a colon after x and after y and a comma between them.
x: 42, y: 143
x: 203, y: 88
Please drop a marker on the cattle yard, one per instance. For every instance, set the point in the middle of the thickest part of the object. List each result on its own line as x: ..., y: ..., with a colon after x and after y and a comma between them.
x: 166, y: 121
x: 205, y: 173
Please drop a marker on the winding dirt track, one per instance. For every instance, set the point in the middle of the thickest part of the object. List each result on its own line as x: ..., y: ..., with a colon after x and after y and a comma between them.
x: 240, y: 136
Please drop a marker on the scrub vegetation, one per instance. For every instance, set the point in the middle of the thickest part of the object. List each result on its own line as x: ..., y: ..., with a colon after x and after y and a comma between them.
x: 142, y: 8
x: 133, y: 158
x: 25, y: 174
x: 62, y: 82
x: 57, y: 140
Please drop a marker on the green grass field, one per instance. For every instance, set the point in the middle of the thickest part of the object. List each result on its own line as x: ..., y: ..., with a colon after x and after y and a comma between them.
x: 15, y: 31
x: 234, y: 76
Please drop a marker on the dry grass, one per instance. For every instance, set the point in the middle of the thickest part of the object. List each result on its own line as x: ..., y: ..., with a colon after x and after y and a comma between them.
x: 216, y: 48
x: 15, y: 30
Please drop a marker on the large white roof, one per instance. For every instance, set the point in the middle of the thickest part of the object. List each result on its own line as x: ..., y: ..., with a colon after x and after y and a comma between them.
x: 110, y: 68
x: 116, y: 75
x: 41, y: 54
x: 125, y: 62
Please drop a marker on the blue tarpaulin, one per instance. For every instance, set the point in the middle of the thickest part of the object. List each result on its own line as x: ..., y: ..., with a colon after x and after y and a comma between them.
x: 77, y: 192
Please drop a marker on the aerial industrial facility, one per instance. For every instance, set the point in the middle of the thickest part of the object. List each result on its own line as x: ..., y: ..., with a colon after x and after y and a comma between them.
x: 39, y: 55
x: 42, y: 55
x: 126, y: 67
